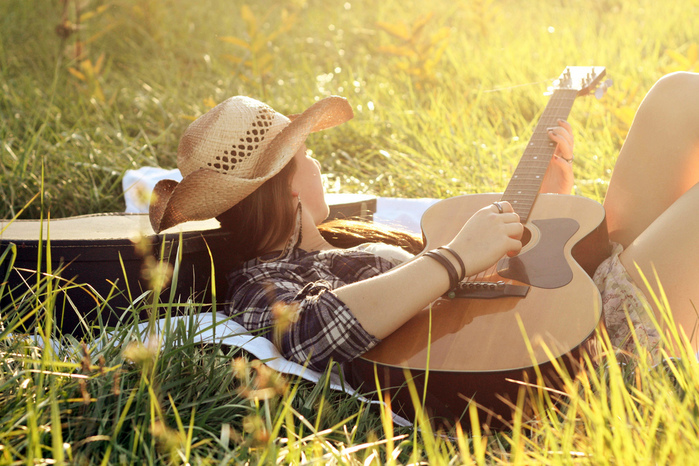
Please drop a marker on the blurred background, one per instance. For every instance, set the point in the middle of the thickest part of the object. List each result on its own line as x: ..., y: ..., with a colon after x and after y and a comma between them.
x: 446, y: 93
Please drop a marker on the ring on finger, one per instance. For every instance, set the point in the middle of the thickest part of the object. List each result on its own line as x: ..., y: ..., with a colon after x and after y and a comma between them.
x: 499, y: 207
x: 570, y: 160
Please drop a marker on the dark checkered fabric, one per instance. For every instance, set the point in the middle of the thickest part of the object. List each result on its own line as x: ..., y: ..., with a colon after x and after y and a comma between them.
x: 326, y: 329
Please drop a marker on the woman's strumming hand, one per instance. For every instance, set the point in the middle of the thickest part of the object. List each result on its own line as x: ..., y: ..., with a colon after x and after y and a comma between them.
x: 559, y: 177
x: 488, y: 236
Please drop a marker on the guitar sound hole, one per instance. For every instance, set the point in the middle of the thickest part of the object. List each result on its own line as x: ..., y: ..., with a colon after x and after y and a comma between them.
x: 526, y: 236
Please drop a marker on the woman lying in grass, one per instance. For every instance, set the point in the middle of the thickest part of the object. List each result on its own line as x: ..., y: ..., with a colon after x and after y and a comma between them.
x: 248, y: 166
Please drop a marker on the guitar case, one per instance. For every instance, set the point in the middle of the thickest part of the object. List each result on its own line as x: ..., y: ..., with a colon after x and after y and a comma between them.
x: 99, y: 265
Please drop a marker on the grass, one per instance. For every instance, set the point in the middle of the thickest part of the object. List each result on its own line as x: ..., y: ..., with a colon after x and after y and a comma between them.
x: 445, y: 95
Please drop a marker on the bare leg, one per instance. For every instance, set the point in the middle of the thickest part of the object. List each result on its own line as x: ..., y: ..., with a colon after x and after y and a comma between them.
x: 659, y: 161
x: 670, y: 247
x: 653, y: 199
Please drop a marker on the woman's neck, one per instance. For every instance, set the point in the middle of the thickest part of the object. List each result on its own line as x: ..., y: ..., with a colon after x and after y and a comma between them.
x: 311, y: 239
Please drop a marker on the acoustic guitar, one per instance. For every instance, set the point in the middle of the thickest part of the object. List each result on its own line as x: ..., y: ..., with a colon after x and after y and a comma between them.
x: 508, y: 322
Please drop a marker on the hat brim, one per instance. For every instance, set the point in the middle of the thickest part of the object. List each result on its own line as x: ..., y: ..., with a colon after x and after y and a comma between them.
x: 205, y: 193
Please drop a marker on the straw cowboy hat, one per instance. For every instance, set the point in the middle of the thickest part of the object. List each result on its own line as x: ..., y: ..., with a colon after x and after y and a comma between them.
x: 230, y: 151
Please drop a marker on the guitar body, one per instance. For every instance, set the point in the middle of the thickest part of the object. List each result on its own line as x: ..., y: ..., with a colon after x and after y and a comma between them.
x: 477, y: 343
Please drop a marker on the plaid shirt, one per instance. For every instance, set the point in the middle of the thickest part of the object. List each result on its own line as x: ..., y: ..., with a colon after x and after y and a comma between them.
x: 325, y: 328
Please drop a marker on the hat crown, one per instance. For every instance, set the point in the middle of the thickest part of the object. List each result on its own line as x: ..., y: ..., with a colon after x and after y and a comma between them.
x: 231, y: 139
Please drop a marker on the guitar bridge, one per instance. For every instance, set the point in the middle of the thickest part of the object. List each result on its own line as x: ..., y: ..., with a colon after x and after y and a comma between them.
x: 488, y: 290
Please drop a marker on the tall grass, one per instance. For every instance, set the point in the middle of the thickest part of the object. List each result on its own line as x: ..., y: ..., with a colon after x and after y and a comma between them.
x: 130, y: 396
x: 445, y: 95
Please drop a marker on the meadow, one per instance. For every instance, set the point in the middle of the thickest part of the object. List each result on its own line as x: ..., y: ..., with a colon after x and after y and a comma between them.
x: 445, y: 96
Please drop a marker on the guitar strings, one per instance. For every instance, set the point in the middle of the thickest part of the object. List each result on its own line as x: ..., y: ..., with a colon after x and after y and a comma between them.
x: 484, y: 276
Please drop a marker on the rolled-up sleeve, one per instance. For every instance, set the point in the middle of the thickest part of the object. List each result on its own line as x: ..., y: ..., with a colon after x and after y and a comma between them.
x: 317, y: 326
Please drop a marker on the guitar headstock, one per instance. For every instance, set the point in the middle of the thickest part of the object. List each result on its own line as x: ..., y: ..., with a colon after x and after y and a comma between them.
x: 584, y: 79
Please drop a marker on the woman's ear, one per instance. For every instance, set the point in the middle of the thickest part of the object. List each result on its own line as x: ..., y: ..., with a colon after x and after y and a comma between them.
x: 294, y: 193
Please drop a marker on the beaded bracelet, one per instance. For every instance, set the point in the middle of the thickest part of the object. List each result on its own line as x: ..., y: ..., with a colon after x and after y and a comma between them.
x: 458, y: 259
x: 446, y: 263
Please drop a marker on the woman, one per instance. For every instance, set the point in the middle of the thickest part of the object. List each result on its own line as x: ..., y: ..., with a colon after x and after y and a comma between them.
x: 248, y: 166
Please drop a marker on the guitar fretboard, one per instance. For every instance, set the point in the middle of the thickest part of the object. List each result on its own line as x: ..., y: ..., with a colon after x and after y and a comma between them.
x: 526, y: 181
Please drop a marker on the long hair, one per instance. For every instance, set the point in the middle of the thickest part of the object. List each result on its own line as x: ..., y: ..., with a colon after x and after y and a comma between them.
x: 347, y: 233
x: 262, y: 219
x: 267, y: 217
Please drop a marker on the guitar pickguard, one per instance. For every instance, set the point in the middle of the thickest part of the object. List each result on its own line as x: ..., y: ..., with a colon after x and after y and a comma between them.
x: 545, y: 265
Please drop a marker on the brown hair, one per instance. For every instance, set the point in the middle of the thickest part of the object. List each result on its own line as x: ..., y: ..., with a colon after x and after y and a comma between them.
x: 348, y: 233
x: 266, y: 218
x: 262, y: 219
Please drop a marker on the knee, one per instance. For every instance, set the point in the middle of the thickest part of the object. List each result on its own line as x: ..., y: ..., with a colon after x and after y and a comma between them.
x: 681, y: 84
x: 674, y: 97
x: 680, y: 78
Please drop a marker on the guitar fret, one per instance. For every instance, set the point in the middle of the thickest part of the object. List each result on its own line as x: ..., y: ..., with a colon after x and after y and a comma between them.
x: 530, y: 196
x: 519, y: 193
x: 519, y: 201
x: 524, y: 175
x: 533, y: 166
x: 531, y: 187
x: 524, y: 183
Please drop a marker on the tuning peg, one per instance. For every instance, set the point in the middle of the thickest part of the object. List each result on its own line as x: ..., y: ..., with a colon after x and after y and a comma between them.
x: 599, y: 92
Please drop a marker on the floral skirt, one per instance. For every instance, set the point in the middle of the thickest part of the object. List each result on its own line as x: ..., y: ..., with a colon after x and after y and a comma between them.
x: 624, y: 303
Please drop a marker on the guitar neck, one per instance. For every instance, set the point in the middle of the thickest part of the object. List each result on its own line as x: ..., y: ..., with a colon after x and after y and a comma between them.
x: 525, y: 184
